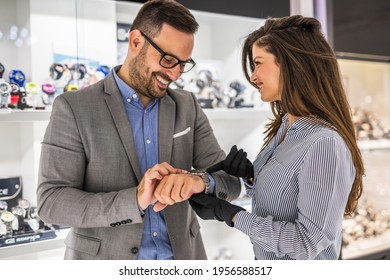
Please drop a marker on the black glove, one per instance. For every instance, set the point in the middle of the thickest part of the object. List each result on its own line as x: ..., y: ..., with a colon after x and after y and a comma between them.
x: 213, y: 208
x: 236, y: 164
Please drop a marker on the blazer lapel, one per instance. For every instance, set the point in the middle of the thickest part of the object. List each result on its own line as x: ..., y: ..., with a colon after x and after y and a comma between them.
x: 118, y: 113
x: 166, y: 126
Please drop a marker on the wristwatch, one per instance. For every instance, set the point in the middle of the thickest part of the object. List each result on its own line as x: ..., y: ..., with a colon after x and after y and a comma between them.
x: 25, y: 204
x: 7, y: 218
x: 56, y: 71
x: 5, y: 90
x: 3, y: 205
x: 80, y: 70
x: 48, y: 88
x: 17, y: 77
x: 32, y: 88
x: 19, y: 213
x: 70, y: 87
x: 2, y: 69
x: 205, y: 177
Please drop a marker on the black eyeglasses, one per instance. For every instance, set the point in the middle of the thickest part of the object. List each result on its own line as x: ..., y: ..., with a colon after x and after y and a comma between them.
x: 169, y: 61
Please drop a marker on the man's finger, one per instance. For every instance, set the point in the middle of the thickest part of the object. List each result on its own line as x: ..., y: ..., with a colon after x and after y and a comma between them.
x: 159, y: 206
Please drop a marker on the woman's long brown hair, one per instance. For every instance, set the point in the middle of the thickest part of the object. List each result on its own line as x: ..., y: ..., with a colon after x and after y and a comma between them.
x: 310, y: 82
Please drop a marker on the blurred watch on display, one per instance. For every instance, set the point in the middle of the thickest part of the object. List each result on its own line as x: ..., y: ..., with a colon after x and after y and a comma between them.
x: 32, y: 88
x: 19, y: 213
x: 17, y: 77
x: 7, y: 218
x: 25, y: 204
x: 2, y: 69
x: 5, y: 90
x: 56, y: 71
x: 49, y: 89
x: 71, y: 87
x: 3, y: 205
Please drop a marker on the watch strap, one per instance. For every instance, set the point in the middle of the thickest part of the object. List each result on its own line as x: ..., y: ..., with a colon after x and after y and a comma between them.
x: 205, y: 177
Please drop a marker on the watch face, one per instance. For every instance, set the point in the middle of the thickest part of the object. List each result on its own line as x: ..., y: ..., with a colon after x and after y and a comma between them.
x: 17, y: 77
x: 18, y: 211
x: 5, y: 87
x: 14, y: 88
x: 33, y: 212
x: 32, y: 88
x: 24, y: 203
x: 3, y: 205
x: 7, y: 216
x: 48, y: 89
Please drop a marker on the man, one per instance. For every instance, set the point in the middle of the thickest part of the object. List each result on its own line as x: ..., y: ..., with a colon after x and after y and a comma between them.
x: 114, y: 154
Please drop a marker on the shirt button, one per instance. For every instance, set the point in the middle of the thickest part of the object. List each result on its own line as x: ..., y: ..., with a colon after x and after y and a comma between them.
x: 134, y: 96
x: 134, y: 250
x: 148, y: 141
x: 128, y: 100
x: 154, y: 234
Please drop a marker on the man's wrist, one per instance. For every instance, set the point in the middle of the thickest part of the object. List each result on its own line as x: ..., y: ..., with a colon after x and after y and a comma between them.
x: 204, y: 176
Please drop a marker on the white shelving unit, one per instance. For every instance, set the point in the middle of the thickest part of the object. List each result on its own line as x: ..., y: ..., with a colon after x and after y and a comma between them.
x: 29, y: 115
x: 45, y: 249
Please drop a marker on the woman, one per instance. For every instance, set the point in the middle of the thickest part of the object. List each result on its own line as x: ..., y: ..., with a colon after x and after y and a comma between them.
x: 309, y: 171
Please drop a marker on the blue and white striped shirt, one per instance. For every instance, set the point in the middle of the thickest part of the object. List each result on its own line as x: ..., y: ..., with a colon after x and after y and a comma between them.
x: 299, y: 194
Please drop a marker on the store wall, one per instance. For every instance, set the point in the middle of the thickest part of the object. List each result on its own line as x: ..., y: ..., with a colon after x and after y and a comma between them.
x: 76, y: 31
x: 15, y: 46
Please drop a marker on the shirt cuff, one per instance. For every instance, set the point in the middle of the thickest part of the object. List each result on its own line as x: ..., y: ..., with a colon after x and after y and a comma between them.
x: 244, y: 221
x: 212, y: 184
x: 141, y: 212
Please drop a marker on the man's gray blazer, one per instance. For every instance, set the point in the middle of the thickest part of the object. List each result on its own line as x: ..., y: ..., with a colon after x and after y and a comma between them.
x: 89, y: 171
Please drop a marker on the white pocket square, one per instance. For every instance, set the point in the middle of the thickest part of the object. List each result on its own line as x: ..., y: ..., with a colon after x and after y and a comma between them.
x: 181, y: 133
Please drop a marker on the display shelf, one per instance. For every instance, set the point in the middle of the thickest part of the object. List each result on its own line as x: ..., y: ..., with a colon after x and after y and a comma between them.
x: 365, y: 248
x: 218, y: 114
x: 379, y: 144
x: 28, y: 115
x: 34, y: 247
x: 236, y: 113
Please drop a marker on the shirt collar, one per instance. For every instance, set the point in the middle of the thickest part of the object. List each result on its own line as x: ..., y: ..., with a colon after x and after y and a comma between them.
x: 305, y: 122
x: 128, y: 93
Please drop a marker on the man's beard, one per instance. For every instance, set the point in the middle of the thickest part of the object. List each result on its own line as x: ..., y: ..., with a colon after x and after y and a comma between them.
x: 142, y: 80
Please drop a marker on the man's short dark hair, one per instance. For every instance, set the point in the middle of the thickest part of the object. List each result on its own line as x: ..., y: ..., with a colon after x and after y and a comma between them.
x: 155, y: 13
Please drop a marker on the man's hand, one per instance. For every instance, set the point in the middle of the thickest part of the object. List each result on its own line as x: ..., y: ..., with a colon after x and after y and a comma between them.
x: 236, y: 164
x: 151, y: 179
x: 212, y: 208
x: 175, y: 188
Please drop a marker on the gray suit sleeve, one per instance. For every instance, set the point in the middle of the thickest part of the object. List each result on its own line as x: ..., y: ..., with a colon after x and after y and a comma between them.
x: 61, y: 195
x: 208, y: 152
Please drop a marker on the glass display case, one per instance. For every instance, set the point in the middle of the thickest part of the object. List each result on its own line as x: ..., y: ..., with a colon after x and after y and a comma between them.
x: 367, y: 232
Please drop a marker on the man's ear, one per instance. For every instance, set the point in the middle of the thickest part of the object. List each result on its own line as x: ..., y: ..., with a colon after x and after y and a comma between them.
x: 136, y: 41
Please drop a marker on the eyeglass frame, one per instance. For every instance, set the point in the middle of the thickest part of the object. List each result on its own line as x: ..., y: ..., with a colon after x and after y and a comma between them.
x: 163, y: 54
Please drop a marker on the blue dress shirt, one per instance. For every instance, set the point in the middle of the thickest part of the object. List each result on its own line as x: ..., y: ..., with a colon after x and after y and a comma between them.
x: 155, y: 244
